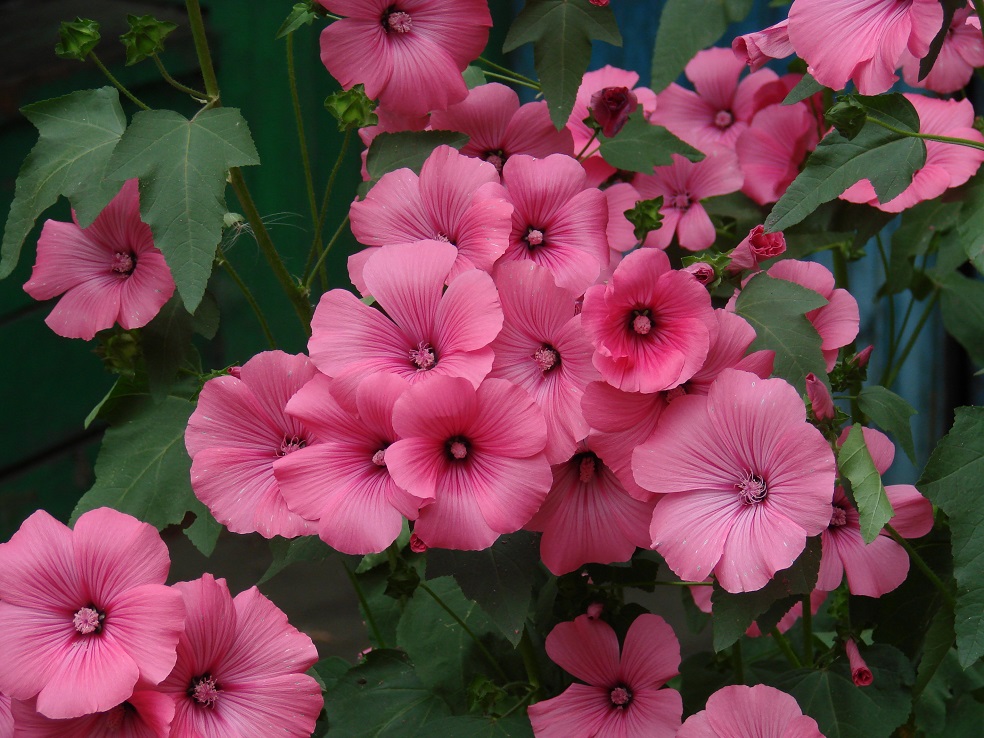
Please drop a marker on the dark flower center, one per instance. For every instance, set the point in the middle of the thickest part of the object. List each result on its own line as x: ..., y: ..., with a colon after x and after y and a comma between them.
x: 838, y: 517
x: 397, y: 20
x: 496, y: 158
x: 751, y: 489
x: 423, y: 357
x: 88, y: 620
x: 587, y: 466
x: 124, y: 263
x: 681, y: 201
x: 621, y: 697
x: 641, y: 321
x: 379, y: 458
x: 204, y: 690
x: 546, y: 358
x: 534, y: 237
x: 723, y: 119
x: 290, y: 444
x: 457, y: 448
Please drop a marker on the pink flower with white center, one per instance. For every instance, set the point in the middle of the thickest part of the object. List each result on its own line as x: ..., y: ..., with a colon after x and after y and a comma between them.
x: 750, y: 712
x: 543, y: 349
x: 682, y: 185
x: 478, y: 453
x: 145, y: 714
x: 109, y: 272
x: 860, y: 673
x: 759, y: 48
x: 408, y: 53
x: 85, y: 611
x: 961, y: 53
x: 456, y: 199
x: 650, y: 325
x: 721, y: 107
x: 499, y: 127
x: 425, y: 331
x: 557, y: 222
x: 588, y: 517
x: 237, y: 432
x: 837, y: 321
x: 623, y: 695
x: 342, y: 481
x: 240, y: 669
x: 861, y: 40
x: 946, y: 165
x: 879, y: 567
x: 772, y: 148
x: 745, y: 480
x: 608, y: 77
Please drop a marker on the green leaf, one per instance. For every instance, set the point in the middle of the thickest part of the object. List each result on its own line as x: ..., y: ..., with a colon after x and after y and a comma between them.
x: 204, y: 531
x: 686, y: 27
x: 289, y: 551
x: 843, y: 710
x: 561, y: 32
x: 391, y: 151
x: 330, y: 670
x: 777, y: 311
x: 962, y: 301
x: 939, y: 639
x: 952, y: 480
x: 499, y: 579
x: 949, y: 8
x: 970, y: 230
x: 381, y: 698
x: 78, y: 133
x: 473, y: 76
x: 143, y: 468
x: 166, y: 344
x: 806, y: 87
x: 885, y: 158
x: 890, y: 413
x: 920, y: 225
x: 443, y: 653
x: 733, y: 613
x: 182, y: 165
x: 302, y: 14
x: 640, y: 146
x: 854, y: 462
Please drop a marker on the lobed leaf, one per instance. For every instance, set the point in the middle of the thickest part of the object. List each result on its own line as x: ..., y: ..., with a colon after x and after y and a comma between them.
x: 640, y: 146
x: 962, y: 302
x: 410, y: 149
x: 890, y: 413
x: 287, y: 551
x: 855, y: 463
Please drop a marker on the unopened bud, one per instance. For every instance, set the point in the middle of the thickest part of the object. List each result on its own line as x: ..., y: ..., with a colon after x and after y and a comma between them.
x: 860, y: 672
x: 416, y: 544
x: 77, y: 39
x: 757, y: 247
x: 820, y: 399
x: 145, y: 37
x: 702, y: 272
x: 611, y: 108
x: 352, y: 109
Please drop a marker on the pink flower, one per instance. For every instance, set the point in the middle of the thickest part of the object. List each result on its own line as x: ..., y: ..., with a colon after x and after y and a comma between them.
x: 682, y: 186
x: 772, y: 149
x: 478, y: 453
x: 408, y: 53
x: 758, y: 246
x: 947, y: 165
x: 860, y: 673
x: 821, y: 402
x: 702, y: 272
x: 543, y: 349
x: 746, y: 712
x: 6, y: 718
x: 425, y: 331
x: 621, y: 197
x: 499, y: 127
x: 145, y: 714
x: 85, y: 611
x: 721, y: 108
x: 837, y: 321
x: 649, y: 324
x: 623, y: 695
x: 759, y: 48
x: 861, y: 40
x: 240, y: 668
x: 342, y: 481
x: 455, y: 199
x: 237, y: 432
x: 961, y: 53
x: 746, y: 479
x: 109, y: 272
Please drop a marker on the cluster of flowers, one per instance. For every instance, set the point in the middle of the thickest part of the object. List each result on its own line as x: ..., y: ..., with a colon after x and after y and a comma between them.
x: 97, y: 644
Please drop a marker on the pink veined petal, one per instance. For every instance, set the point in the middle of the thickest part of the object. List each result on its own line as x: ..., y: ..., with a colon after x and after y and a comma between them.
x: 651, y: 714
x: 913, y: 513
x: 229, y: 416
x: 343, y: 52
x: 650, y: 654
x: 927, y: 183
x: 87, y: 308
x: 687, y: 115
x: 578, y: 710
x: 146, y: 622
x: 145, y: 291
x: 33, y: 648
x: 424, y: 76
x: 717, y: 174
x: 539, y: 187
x: 695, y: 230
x: 67, y: 257
x: 469, y: 316
x: 283, y: 705
x: 392, y: 212
x: 758, y: 710
x: 587, y: 649
x: 697, y: 726
x: 508, y: 421
x: 484, y: 115
x: 454, y: 520
x: 273, y: 377
x: 753, y: 93
x: 145, y: 714
x: 714, y: 73
x: 317, y: 408
x: 210, y: 630
x: 435, y: 410
x: 482, y: 234
x: 532, y: 132
x: 366, y: 519
x: 38, y: 568
x: 761, y: 542
x: 837, y: 322
x: 417, y: 465
x: 873, y: 569
x: 831, y: 567
x: 448, y: 180
x: 508, y: 491
x: 689, y: 530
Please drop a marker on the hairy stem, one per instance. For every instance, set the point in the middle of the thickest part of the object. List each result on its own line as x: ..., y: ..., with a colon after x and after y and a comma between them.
x: 116, y: 83
x: 786, y: 649
x: 197, y: 24
x: 197, y: 94
x: 301, y: 138
x: 234, y: 275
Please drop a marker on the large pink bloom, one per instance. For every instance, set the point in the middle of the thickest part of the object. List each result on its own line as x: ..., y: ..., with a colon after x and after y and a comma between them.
x: 961, y: 53
x: 478, y: 453
x: 878, y: 567
x: 759, y: 48
x: 240, y: 669
x: 750, y: 712
x: 455, y: 199
x: 239, y: 429
x: 499, y: 127
x: 85, y: 611
x: 861, y: 40
x: 342, y: 481
x: 145, y: 714
x: 650, y: 325
x: 110, y: 272
x: 772, y: 148
x: 682, y: 185
x: 408, y: 53
x: 623, y: 696
x: 947, y: 165
x: 6, y: 717
x: 557, y: 222
x: 425, y: 331
x: 746, y: 479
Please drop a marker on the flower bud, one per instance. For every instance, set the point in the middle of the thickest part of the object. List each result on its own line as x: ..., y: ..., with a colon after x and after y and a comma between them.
x: 860, y: 672
x: 594, y: 610
x: 757, y: 247
x: 600, y: 3
x: 702, y: 272
x: 145, y: 37
x: 352, y: 108
x: 77, y: 38
x: 848, y: 117
x: 861, y: 358
x: 416, y: 544
x: 820, y: 399
x: 611, y: 108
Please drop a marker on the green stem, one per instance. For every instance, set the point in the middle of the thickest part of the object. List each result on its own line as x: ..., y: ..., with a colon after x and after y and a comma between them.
x: 842, y: 279
x: 529, y: 661
x: 197, y: 24
x: 889, y: 380
x: 738, y: 664
x: 301, y: 138
x: 807, y: 631
x: 234, y: 275
x: 921, y: 564
x: 116, y: 83
x: 786, y: 649
x: 464, y: 626
x: 316, y: 248
x: 513, y: 80
x: 516, y: 76
x: 197, y: 94
x: 929, y: 136
x: 594, y: 137
x: 892, y: 344
x: 294, y: 292
x: 324, y: 252
x: 370, y: 620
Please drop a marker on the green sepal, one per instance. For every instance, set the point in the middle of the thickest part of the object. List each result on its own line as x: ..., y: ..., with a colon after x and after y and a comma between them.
x: 77, y: 38
x: 145, y: 37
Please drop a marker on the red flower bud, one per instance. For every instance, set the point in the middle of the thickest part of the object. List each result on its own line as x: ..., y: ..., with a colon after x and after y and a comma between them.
x: 757, y: 247
x: 860, y: 672
x: 819, y: 395
x: 703, y: 273
x: 611, y: 107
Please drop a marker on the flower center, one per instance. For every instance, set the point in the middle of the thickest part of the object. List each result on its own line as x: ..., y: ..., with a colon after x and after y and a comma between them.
x: 621, y: 697
x: 546, y: 358
x: 204, y: 690
x: 751, y: 489
x: 642, y: 322
x: 723, y: 119
x: 123, y: 264
x: 838, y: 517
x: 379, y: 458
x: 115, y: 717
x: 680, y: 201
x: 398, y: 21
x: 534, y: 237
x: 443, y: 238
x: 290, y: 444
x: 496, y: 158
x: 586, y: 469
x: 88, y: 620
x: 457, y: 448
x: 423, y: 356
x: 678, y: 391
